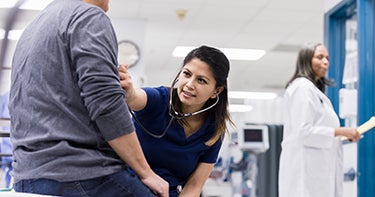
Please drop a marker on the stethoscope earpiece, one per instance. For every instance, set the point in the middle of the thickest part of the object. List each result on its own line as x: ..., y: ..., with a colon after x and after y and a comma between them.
x: 177, y: 115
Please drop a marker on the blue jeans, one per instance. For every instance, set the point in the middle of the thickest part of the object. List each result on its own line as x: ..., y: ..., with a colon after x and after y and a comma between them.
x: 119, y: 184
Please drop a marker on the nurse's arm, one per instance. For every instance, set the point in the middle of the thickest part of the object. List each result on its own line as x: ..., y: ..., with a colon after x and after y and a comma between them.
x: 195, y: 183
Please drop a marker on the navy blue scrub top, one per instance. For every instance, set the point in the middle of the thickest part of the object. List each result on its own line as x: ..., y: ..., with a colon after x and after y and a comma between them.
x: 173, y: 157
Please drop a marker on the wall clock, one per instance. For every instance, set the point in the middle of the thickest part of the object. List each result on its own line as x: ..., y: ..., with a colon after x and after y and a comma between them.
x: 128, y: 53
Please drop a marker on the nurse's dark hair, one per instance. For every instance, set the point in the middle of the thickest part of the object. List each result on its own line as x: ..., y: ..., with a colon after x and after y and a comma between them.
x: 219, y: 65
x: 304, y: 67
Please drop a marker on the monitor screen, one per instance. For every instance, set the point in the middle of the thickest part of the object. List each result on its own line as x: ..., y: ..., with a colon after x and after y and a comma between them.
x: 253, y: 138
x: 253, y: 135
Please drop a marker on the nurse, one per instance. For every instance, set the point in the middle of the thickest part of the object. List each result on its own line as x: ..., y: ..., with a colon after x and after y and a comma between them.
x: 311, y: 158
x: 181, y: 127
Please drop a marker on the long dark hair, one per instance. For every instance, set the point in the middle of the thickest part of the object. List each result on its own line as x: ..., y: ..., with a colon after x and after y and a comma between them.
x: 304, y: 67
x: 219, y: 65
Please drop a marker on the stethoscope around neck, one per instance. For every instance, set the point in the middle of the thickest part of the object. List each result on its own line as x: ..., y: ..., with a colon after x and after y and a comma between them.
x: 174, y: 115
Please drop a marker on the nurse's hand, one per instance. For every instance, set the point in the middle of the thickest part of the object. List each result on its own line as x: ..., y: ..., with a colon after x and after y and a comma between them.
x: 351, y: 134
x: 125, y: 77
x: 126, y: 81
x: 134, y: 96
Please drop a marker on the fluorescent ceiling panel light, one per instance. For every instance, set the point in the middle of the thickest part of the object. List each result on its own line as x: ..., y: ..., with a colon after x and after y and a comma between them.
x: 181, y: 51
x: 243, y: 54
x: 231, y: 53
x: 35, y: 4
x: 27, y: 5
x: 7, y: 3
x: 252, y: 95
x: 240, y: 108
x: 13, y: 34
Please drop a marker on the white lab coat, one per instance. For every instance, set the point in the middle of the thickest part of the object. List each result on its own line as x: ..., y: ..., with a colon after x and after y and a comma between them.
x: 311, y: 158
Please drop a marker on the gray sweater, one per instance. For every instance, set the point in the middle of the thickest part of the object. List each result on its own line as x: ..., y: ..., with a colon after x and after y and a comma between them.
x: 65, y: 100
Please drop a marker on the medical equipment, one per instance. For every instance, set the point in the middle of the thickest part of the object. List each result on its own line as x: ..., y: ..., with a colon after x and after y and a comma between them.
x: 253, y: 138
x: 174, y: 115
x: 252, y: 141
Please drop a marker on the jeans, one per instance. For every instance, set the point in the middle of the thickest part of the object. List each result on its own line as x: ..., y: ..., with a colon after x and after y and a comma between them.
x: 118, y: 184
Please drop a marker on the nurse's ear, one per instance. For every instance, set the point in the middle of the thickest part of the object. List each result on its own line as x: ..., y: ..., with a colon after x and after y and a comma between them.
x: 217, y: 92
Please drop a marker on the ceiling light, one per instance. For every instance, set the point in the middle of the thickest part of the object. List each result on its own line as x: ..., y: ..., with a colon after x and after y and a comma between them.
x: 251, y: 95
x: 231, y: 53
x: 27, y: 5
x: 7, y: 3
x: 181, y: 51
x: 240, y: 108
x: 12, y: 35
x: 15, y: 34
x: 35, y: 4
x: 243, y: 54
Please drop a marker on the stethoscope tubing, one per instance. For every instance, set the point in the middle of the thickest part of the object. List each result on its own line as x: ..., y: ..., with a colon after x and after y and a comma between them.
x: 174, y: 115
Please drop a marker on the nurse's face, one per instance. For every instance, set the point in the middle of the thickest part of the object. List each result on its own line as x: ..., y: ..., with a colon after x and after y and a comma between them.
x: 320, y: 62
x: 196, y: 84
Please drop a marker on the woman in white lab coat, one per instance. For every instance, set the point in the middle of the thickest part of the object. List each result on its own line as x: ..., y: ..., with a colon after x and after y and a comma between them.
x: 311, y: 157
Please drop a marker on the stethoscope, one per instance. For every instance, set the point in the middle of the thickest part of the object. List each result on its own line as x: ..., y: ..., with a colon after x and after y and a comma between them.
x: 174, y: 116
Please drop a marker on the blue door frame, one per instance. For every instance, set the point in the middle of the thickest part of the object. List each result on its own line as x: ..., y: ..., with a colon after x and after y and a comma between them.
x: 334, y: 37
x: 366, y: 96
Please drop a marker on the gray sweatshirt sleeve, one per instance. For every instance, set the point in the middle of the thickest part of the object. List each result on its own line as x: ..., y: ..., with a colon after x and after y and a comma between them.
x: 93, y: 50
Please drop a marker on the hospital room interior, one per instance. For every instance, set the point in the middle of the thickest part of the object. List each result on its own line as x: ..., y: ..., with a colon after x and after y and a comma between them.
x: 261, y: 39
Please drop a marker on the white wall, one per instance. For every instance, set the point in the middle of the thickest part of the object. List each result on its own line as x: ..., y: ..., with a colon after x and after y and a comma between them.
x: 263, y: 112
x: 133, y: 30
x: 329, y: 4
